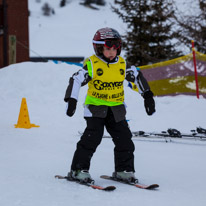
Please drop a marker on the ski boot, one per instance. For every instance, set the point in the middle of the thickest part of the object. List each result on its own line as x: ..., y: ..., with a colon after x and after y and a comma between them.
x: 125, y: 176
x: 82, y: 176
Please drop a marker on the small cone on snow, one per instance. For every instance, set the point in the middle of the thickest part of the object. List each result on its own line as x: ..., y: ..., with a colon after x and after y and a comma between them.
x: 23, y: 121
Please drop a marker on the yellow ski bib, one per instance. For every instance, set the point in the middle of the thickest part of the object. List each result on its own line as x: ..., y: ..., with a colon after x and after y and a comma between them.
x: 106, y: 86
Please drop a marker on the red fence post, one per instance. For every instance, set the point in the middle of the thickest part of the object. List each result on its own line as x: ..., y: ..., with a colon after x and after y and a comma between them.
x: 195, y: 68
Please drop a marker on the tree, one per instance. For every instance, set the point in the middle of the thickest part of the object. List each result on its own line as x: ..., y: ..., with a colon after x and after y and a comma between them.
x: 149, y: 35
x: 193, y: 27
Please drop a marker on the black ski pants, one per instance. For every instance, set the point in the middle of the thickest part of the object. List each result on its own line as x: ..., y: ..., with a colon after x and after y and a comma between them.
x: 92, y: 136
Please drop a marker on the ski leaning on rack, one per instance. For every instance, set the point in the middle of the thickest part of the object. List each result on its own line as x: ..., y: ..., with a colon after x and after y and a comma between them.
x: 88, y: 184
x: 139, y: 185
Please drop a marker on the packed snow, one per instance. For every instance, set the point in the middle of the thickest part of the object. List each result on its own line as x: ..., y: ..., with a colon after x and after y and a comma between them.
x: 70, y: 31
x: 30, y: 158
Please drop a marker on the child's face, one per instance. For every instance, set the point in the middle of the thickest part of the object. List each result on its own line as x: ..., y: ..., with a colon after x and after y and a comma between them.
x: 109, y: 53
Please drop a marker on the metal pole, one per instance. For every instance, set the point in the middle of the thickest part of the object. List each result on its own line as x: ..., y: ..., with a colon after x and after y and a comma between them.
x: 5, y: 35
x: 195, y: 68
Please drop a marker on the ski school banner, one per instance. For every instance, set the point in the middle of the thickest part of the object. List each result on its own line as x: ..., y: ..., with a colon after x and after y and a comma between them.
x: 176, y: 76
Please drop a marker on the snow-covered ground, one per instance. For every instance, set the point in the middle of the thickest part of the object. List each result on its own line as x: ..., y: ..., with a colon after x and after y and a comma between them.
x: 70, y: 31
x: 31, y: 157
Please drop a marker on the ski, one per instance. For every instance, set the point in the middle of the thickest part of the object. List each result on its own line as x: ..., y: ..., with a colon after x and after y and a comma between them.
x: 173, y: 133
x: 139, y: 185
x: 199, y: 133
x: 92, y: 185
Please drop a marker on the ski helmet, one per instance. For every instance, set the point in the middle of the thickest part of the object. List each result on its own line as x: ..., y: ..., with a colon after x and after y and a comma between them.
x: 107, y: 37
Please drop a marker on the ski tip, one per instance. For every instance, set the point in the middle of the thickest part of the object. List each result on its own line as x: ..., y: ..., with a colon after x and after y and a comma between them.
x: 60, y: 177
x: 109, y: 188
x: 152, y: 187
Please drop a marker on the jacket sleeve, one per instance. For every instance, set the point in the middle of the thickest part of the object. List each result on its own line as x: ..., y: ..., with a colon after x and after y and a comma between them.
x: 77, y: 80
x: 134, y: 75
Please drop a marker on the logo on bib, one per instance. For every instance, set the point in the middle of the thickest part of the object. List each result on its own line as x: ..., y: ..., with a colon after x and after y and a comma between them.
x: 121, y: 71
x: 99, y: 85
x: 99, y: 72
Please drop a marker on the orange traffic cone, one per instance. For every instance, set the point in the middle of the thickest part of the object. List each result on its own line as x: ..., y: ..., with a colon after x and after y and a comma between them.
x: 23, y: 121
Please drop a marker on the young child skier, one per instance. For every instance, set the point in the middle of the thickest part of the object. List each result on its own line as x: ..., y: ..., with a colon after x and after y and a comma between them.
x: 104, y: 72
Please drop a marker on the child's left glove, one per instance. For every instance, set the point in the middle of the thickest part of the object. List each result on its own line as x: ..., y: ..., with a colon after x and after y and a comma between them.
x: 72, y: 103
x: 149, y: 102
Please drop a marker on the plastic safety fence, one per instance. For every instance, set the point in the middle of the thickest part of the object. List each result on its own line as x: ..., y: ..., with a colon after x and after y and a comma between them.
x: 177, y: 76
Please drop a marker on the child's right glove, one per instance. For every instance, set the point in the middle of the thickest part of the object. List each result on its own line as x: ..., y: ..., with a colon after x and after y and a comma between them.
x: 72, y: 103
x: 149, y: 102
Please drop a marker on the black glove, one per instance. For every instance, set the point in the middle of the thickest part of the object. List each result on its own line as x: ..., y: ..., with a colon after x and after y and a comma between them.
x: 72, y: 103
x: 149, y: 102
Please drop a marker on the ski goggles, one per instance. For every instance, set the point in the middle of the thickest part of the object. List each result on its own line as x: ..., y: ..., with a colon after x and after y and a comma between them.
x: 109, y: 43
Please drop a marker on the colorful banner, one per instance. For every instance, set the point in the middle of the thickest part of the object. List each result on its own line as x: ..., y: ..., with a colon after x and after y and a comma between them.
x: 177, y: 76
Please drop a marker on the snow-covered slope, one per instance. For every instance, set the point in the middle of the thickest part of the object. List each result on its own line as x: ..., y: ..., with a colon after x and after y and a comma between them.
x: 70, y: 31
x: 30, y: 158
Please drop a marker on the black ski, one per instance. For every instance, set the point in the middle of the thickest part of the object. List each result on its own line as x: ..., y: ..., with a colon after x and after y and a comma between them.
x: 139, y: 185
x: 173, y: 133
x: 199, y: 133
x: 88, y: 184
